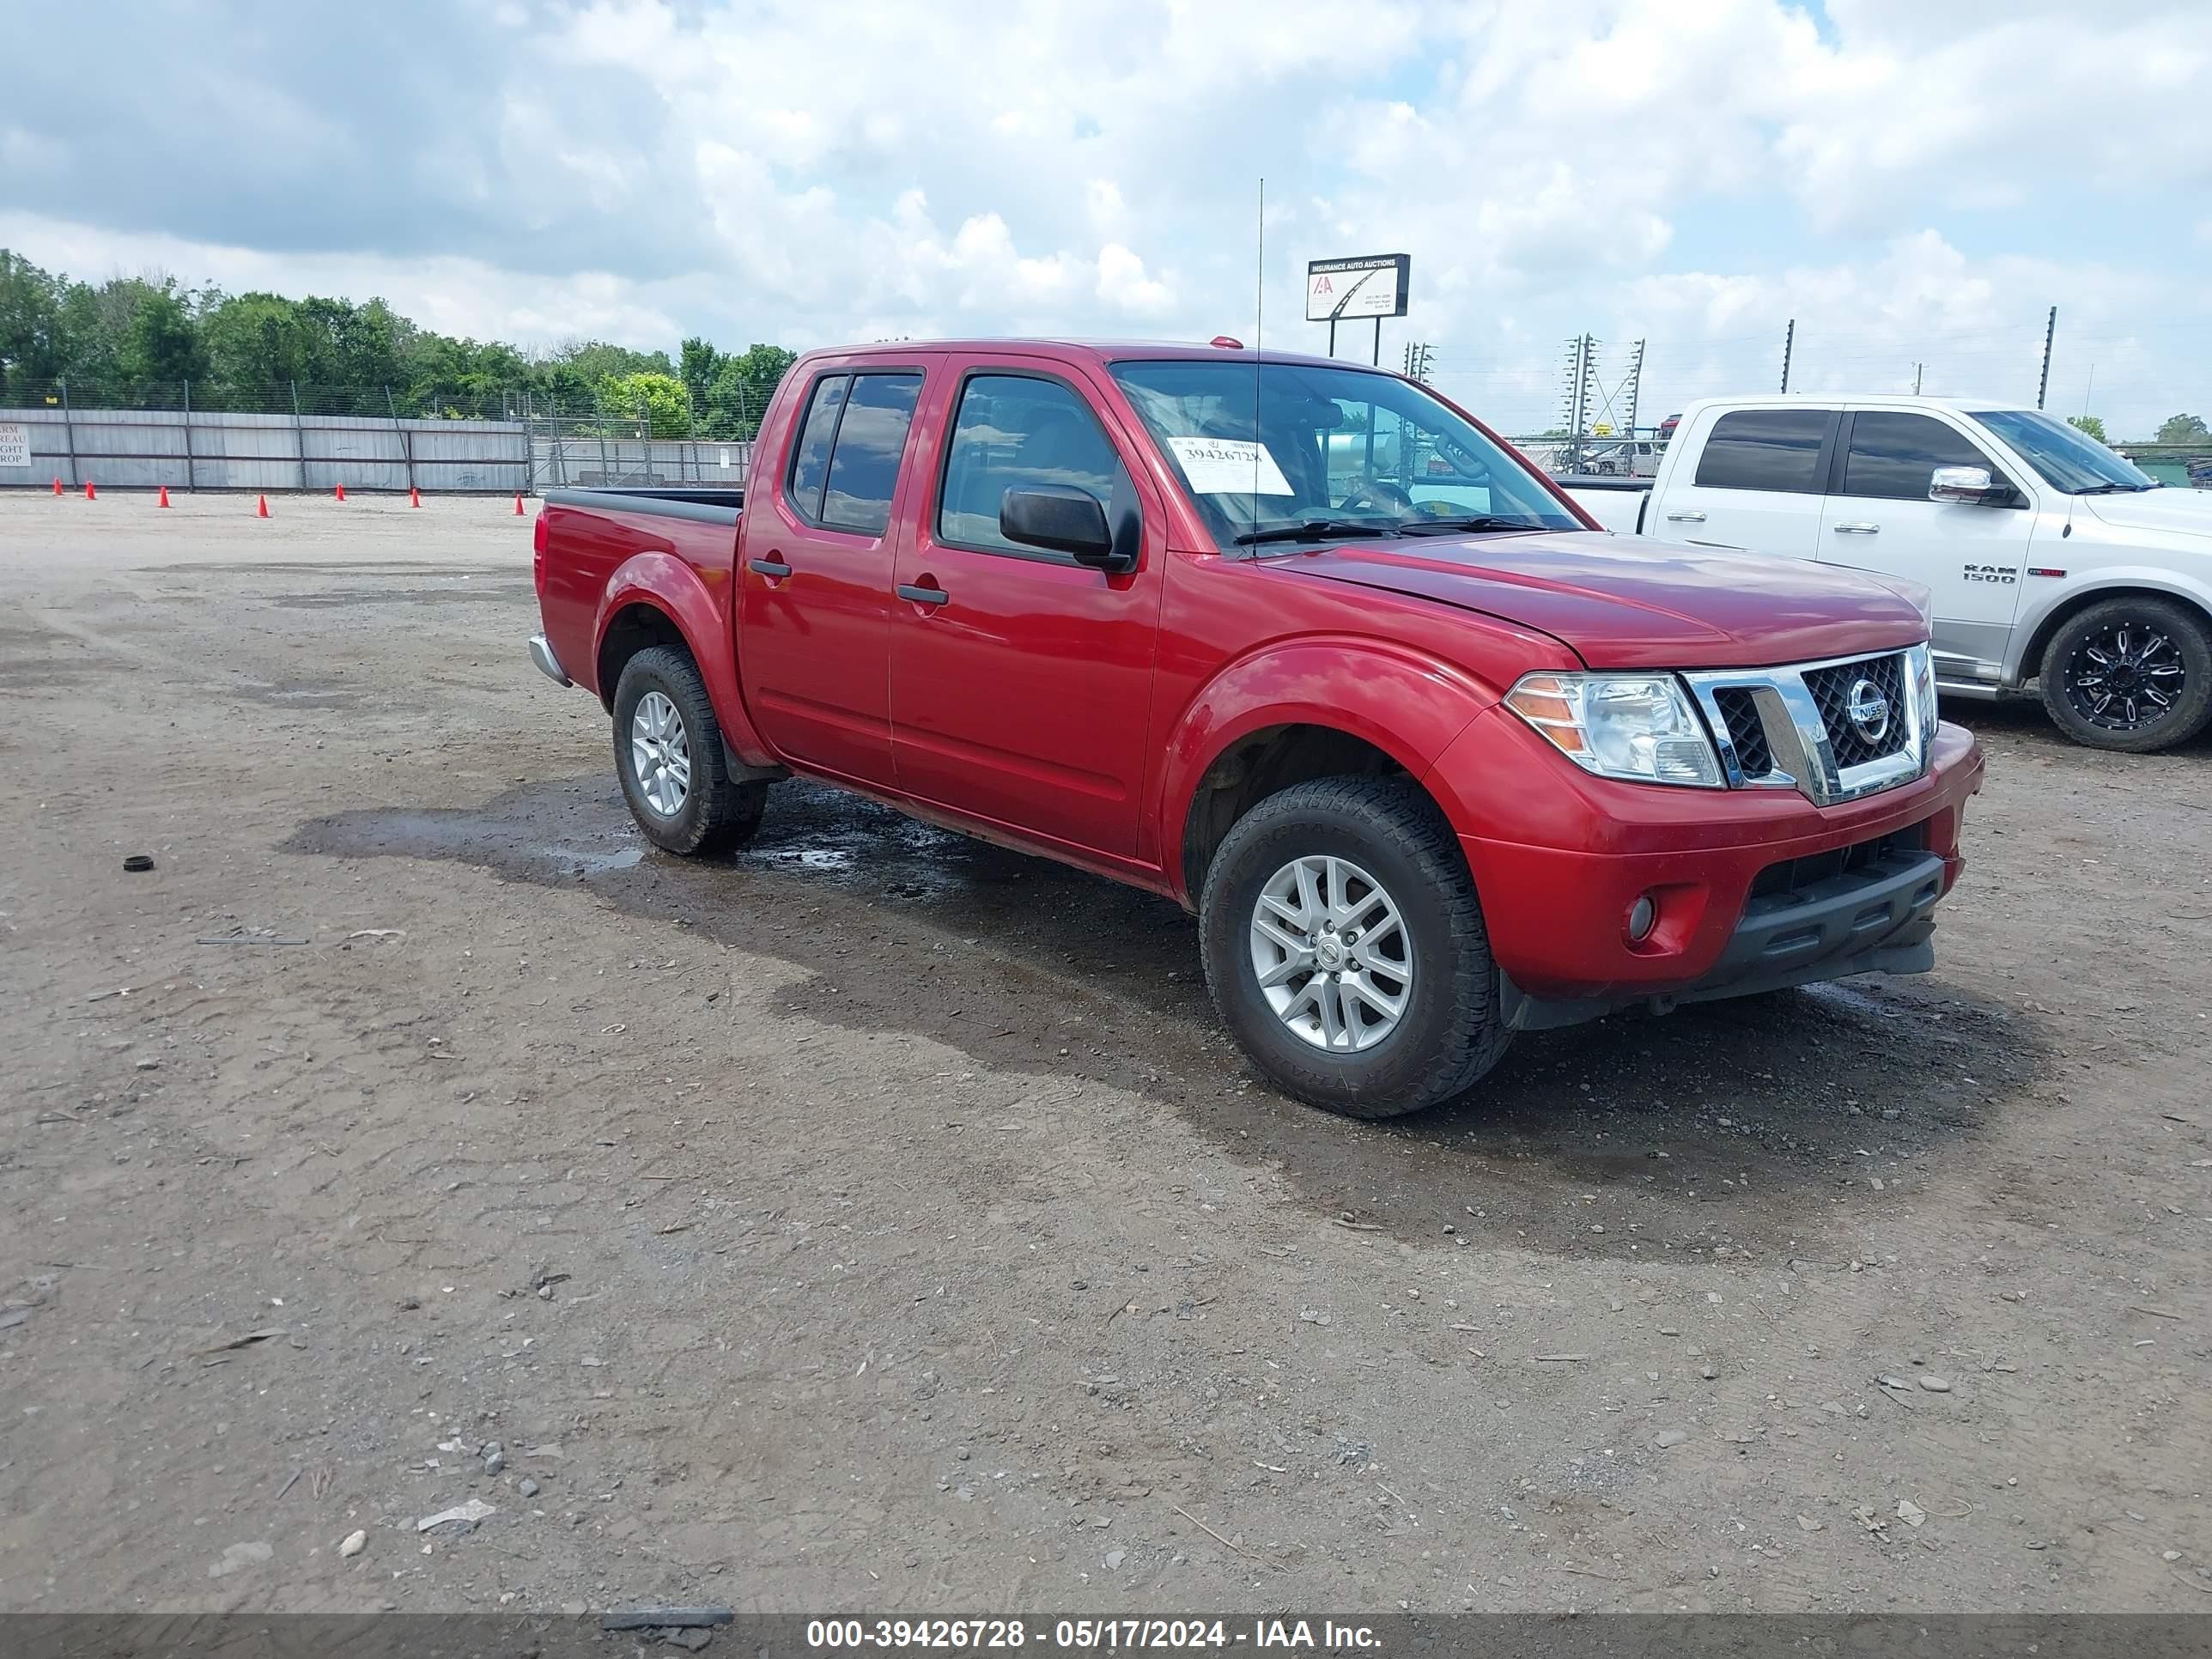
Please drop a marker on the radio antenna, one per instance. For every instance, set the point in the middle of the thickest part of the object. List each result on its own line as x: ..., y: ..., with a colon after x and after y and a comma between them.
x: 1259, y: 317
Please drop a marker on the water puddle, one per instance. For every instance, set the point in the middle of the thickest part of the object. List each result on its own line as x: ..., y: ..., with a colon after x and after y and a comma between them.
x: 1743, y: 1108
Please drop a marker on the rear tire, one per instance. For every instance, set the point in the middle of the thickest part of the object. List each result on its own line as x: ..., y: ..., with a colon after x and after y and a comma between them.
x: 1370, y: 834
x: 2107, y: 665
x: 668, y: 754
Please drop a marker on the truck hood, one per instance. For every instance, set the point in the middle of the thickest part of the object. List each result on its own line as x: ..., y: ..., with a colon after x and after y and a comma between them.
x: 1627, y: 602
x: 2175, y: 512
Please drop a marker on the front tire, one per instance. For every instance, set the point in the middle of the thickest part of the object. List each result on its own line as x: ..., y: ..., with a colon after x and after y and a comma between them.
x: 1344, y: 948
x: 668, y: 754
x: 2129, y: 674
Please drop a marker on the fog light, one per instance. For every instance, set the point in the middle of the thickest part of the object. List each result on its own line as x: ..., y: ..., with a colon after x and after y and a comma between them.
x: 1643, y: 916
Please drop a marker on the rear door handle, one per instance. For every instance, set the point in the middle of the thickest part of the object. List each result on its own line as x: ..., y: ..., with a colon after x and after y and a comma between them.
x: 1692, y: 516
x: 1858, y: 527
x: 922, y: 595
x: 775, y: 569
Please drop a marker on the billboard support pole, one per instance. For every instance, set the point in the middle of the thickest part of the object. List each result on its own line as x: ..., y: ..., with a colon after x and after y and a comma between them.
x: 1377, y: 359
x: 1332, y: 336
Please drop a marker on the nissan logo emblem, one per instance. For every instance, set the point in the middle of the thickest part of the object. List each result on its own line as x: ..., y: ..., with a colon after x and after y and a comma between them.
x: 1868, y: 710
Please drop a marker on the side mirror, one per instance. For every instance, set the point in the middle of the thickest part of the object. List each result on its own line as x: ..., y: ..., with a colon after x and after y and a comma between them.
x: 1970, y: 485
x: 1060, y: 519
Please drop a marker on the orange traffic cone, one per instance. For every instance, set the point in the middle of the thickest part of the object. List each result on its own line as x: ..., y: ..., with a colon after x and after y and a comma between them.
x: 164, y: 500
x: 414, y: 496
x: 58, y: 486
x: 518, y: 506
x: 90, y: 494
x: 262, y: 511
x: 341, y: 492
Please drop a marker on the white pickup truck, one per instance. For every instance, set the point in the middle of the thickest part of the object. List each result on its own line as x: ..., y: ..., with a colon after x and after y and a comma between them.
x: 2049, y: 560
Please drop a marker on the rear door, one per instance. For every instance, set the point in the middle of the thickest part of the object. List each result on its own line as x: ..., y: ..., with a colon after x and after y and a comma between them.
x: 1022, y: 681
x: 815, y: 586
x: 1753, y: 481
x: 1877, y: 516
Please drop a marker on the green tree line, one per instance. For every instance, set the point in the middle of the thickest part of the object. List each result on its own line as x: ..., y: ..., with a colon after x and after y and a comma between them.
x: 137, y: 342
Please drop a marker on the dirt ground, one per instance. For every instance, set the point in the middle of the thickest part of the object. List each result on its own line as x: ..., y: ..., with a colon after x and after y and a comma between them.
x: 881, y: 1221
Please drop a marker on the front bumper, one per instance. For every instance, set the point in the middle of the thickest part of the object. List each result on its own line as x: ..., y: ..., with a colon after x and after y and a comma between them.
x: 1877, y: 918
x: 541, y: 652
x: 1559, y: 868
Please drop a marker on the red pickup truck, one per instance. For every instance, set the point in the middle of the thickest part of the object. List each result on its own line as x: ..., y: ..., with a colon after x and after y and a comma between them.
x: 1302, y: 646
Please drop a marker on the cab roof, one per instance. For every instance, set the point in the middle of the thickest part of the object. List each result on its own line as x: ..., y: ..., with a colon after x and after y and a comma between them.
x: 1092, y: 351
x: 1856, y: 400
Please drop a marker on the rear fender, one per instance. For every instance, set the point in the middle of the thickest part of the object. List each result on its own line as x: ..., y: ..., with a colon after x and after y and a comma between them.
x: 1409, y: 706
x: 665, y: 583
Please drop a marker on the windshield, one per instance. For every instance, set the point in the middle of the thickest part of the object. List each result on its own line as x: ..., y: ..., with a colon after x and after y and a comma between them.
x: 1334, y: 452
x: 2067, y: 460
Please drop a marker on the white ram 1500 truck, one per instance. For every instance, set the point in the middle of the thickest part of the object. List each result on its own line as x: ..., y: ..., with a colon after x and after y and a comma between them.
x: 2049, y: 560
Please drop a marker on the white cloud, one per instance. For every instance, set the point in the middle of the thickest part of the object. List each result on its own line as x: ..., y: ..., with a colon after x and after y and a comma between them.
x: 1123, y: 284
x: 1914, y: 183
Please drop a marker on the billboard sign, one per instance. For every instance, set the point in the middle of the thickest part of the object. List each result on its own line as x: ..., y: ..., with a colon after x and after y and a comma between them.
x: 15, y: 445
x: 1373, y: 285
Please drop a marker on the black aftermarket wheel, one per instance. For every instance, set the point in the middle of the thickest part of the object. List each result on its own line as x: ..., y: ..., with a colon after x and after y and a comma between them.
x: 2132, y: 674
x: 1344, y: 948
x: 668, y: 753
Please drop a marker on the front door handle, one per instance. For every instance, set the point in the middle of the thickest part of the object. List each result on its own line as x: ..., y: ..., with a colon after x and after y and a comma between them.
x: 774, y: 569
x: 1858, y: 527
x: 922, y: 595
x: 1692, y: 516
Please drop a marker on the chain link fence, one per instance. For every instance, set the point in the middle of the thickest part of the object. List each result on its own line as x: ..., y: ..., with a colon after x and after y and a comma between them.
x: 194, y: 435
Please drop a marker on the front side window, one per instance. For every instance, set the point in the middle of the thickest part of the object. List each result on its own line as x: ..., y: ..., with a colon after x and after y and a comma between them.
x: 1014, y: 431
x: 1892, y: 456
x: 1775, y: 449
x: 1268, y: 452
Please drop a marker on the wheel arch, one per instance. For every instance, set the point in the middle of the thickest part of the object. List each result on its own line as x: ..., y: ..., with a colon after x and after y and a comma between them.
x: 656, y: 599
x: 2035, y: 637
x: 1319, y: 709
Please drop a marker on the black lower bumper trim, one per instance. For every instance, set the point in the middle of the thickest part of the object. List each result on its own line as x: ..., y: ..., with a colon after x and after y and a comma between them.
x: 1878, y: 919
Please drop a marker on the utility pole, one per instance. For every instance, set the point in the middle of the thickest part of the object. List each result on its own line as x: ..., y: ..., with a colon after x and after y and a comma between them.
x: 1576, y: 393
x: 2050, y: 333
x: 1916, y: 368
x: 1788, y: 344
x: 1635, y: 387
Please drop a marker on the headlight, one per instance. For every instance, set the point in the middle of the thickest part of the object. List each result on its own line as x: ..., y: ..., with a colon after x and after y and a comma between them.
x: 1639, y: 726
x: 1922, y: 664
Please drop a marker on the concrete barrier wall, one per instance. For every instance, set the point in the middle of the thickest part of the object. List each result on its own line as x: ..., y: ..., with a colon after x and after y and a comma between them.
x: 135, y: 449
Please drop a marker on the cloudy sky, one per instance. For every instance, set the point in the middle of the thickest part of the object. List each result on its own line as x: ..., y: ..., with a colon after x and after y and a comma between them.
x: 1915, y: 181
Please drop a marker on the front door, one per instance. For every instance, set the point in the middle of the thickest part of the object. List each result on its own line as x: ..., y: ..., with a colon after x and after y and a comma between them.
x: 1757, y: 482
x: 1021, y: 680
x: 1969, y: 556
x: 814, y: 586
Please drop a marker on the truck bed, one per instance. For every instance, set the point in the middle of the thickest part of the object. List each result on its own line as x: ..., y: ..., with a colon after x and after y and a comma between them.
x: 1615, y: 502
x: 714, y: 506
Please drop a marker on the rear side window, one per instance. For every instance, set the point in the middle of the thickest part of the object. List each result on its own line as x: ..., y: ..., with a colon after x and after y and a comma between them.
x: 845, y: 469
x: 1891, y: 456
x: 1765, y: 449
x: 865, y: 465
x: 810, y: 461
x: 1013, y: 433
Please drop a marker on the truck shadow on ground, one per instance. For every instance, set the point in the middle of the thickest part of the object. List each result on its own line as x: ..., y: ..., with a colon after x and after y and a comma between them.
x: 1727, y: 1125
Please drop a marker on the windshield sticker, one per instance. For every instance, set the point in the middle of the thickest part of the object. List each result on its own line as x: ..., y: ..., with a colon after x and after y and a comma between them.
x: 1229, y: 466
